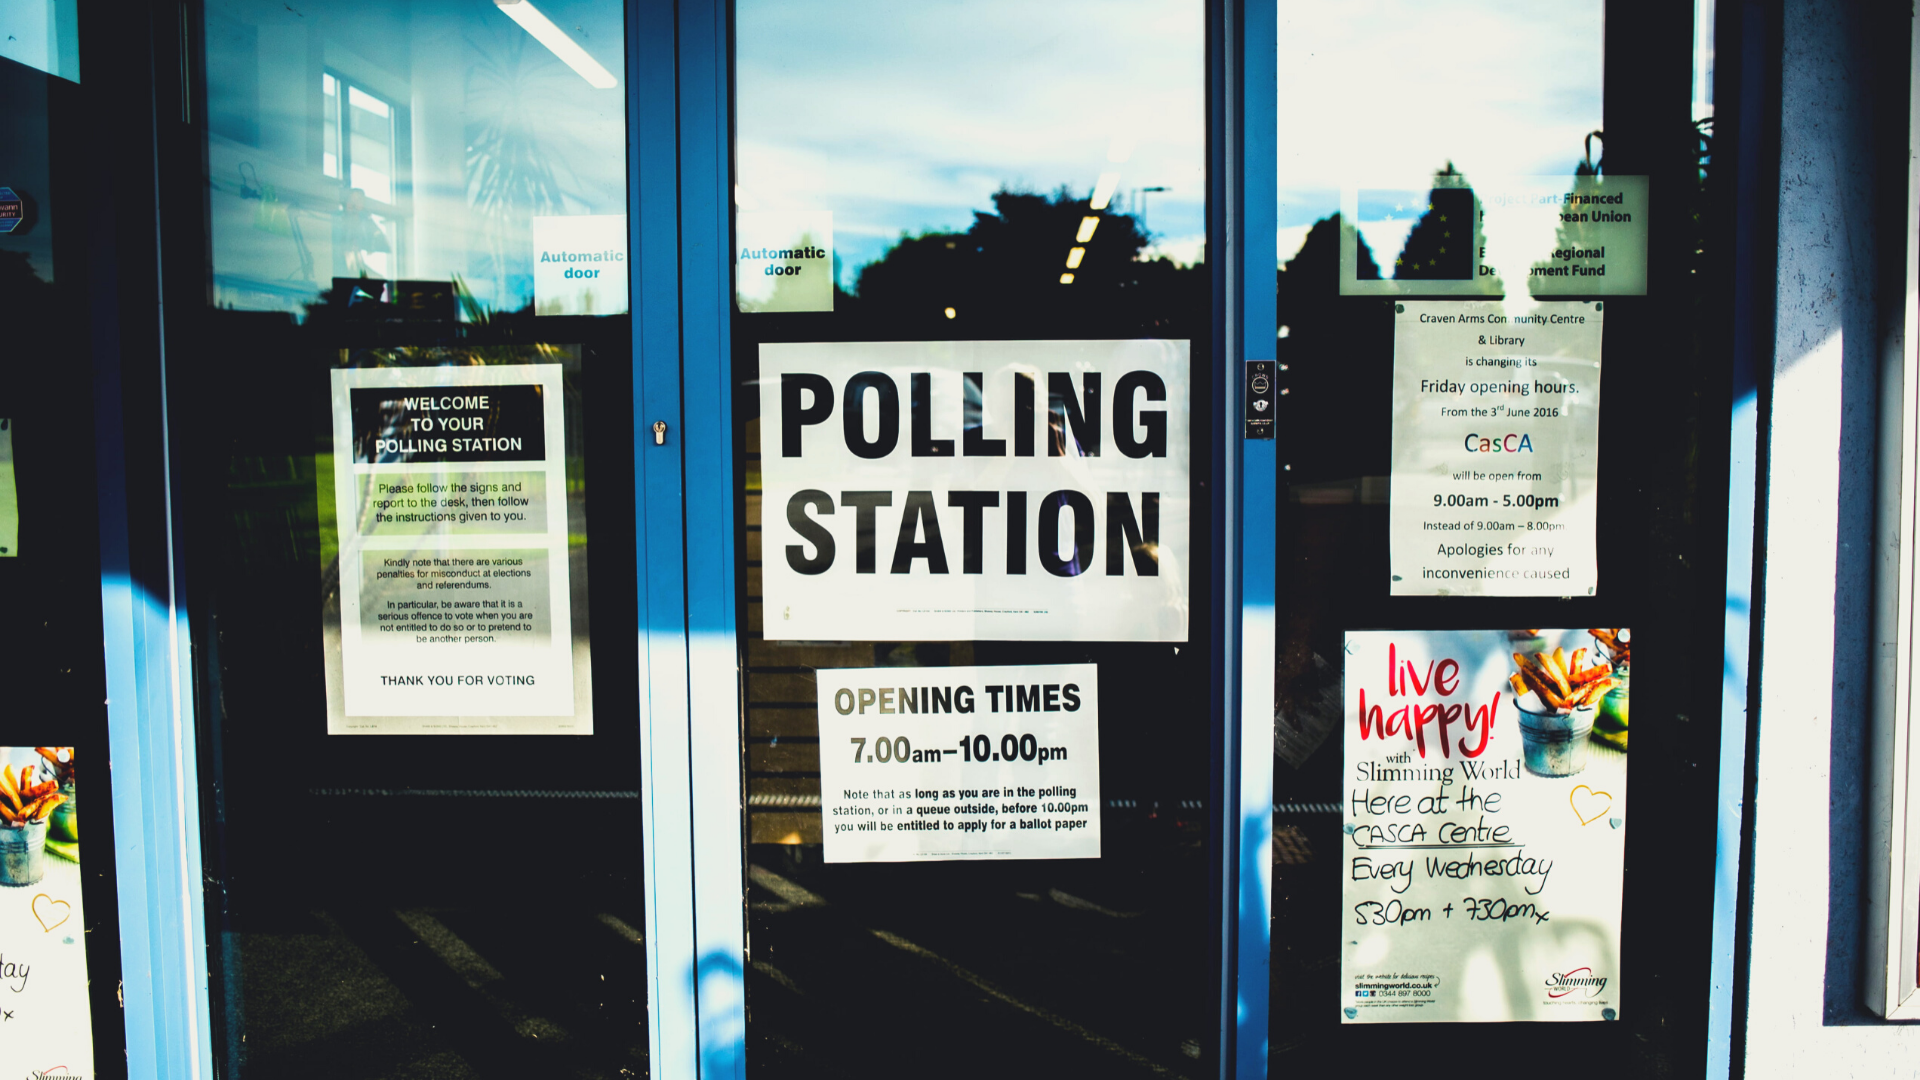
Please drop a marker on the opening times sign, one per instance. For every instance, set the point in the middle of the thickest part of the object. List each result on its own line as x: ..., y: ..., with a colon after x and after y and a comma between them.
x: 937, y: 764
x: 1496, y: 449
x: 999, y: 490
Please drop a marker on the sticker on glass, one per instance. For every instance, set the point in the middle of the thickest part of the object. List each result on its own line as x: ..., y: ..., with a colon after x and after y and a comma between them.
x: 784, y: 260
x: 1581, y: 235
x: 580, y: 265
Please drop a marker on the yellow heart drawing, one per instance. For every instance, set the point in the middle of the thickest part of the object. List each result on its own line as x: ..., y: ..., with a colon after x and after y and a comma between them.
x: 65, y: 913
x: 1597, y: 801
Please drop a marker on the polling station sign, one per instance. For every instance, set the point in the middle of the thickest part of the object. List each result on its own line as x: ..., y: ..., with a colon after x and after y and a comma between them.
x: 996, y: 490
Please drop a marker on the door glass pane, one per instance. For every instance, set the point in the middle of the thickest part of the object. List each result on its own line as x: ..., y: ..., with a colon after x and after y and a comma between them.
x: 423, y: 833
x: 58, y: 910
x: 971, y: 356
x: 1505, y: 405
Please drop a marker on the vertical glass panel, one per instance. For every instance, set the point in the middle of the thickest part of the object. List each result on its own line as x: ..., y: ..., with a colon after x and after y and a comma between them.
x: 1502, y: 393
x: 58, y: 911
x: 971, y: 354
x: 423, y: 827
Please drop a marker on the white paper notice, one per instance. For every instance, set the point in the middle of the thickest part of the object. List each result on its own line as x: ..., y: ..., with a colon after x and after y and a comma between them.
x: 580, y: 265
x: 1000, y: 490
x: 1496, y: 448
x: 924, y: 764
x: 785, y: 260
x: 1513, y: 236
x: 9, y: 495
x: 46, y: 1019
x: 1474, y: 888
x: 455, y: 606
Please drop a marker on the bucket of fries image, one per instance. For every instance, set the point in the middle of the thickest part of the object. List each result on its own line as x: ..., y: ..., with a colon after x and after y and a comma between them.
x: 25, y: 806
x: 1610, y: 725
x: 23, y: 853
x: 1557, y: 697
x: 64, y: 825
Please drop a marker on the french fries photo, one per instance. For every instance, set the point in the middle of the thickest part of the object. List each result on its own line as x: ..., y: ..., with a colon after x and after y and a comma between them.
x: 1560, y: 681
x: 24, y: 800
x: 1616, y: 644
x: 60, y: 760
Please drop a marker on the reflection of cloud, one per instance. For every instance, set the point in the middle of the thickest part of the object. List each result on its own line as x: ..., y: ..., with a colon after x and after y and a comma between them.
x: 907, y: 117
x: 1385, y: 239
x: 1289, y: 238
x: 1384, y: 92
x: 1183, y: 250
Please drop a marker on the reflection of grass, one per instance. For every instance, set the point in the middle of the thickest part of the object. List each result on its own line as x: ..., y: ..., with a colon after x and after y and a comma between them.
x: 329, y: 527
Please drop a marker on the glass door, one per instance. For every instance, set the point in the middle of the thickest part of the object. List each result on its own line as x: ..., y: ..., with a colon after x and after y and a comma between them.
x: 405, y: 416
x: 1504, y: 344
x: 971, y: 360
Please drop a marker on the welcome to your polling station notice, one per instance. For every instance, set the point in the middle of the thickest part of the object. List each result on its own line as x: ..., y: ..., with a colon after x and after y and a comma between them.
x: 1496, y: 448
x: 455, y: 600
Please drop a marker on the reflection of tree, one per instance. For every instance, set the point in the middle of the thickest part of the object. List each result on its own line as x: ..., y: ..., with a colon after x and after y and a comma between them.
x: 1442, y: 244
x: 1332, y: 350
x: 23, y: 294
x: 511, y: 156
x: 1582, y: 234
x: 1002, y: 276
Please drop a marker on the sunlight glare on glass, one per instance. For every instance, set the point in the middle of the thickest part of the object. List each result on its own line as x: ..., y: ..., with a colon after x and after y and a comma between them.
x: 951, y: 313
x: 1066, y: 279
x: 556, y: 40
x: 1103, y: 190
x: 1074, y: 256
x: 1087, y: 225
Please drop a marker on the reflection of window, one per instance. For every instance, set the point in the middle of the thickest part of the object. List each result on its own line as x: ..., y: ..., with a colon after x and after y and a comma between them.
x: 357, y: 146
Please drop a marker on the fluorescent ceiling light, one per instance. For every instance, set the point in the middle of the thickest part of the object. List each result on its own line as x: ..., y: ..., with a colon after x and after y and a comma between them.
x: 1087, y: 225
x: 556, y: 39
x: 1102, y: 190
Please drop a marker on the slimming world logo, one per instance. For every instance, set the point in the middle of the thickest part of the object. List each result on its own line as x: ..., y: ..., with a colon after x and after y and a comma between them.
x: 58, y: 1072
x: 1562, y: 983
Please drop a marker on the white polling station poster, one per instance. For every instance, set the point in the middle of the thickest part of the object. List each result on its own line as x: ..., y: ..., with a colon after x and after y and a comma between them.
x: 452, y: 517
x: 999, y: 490
x: 1496, y: 448
x: 928, y: 764
x: 1481, y: 867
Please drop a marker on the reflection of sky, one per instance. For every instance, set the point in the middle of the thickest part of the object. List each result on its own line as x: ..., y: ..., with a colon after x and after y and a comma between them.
x: 1382, y: 93
x: 907, y: 117
x: 451, y: 70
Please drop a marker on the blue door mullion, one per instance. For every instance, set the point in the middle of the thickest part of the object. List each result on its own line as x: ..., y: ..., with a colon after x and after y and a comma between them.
x: 659, y: 490
x: 1255, y: 261
x: 713, y: 647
